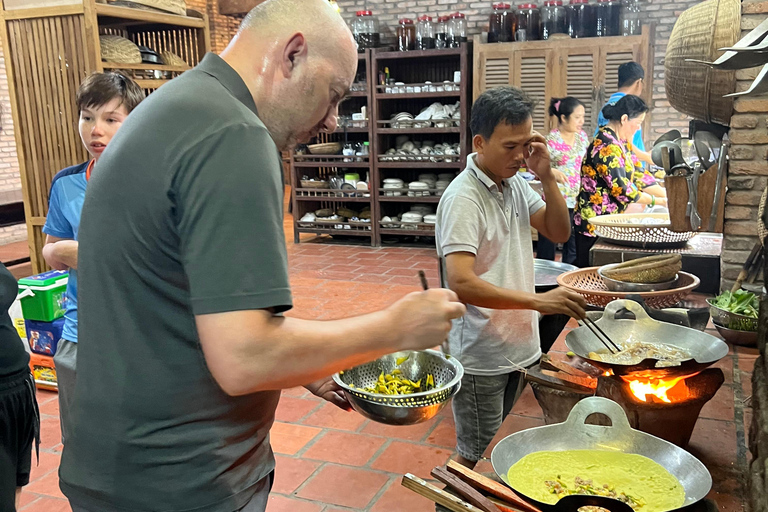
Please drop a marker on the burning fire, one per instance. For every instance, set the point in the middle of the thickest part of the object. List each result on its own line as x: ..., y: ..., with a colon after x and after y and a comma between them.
x: 653, y: 387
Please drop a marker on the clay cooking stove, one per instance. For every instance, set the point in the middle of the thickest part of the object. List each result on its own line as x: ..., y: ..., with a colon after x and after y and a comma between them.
x: 664, y: 407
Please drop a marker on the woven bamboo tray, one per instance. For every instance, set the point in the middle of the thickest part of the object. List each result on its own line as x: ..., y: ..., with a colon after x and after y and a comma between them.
x: 624, y: 229
x: 587, y: 283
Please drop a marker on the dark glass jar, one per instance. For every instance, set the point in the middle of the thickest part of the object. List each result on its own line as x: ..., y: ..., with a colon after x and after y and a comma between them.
x: 406, y: 35
x: 630, y: 18
x: 441, y: 32
x: 553, y: 19
x: 608, y: 18
x: 365, y: 28
x: 500, y: 24
x: 457, y: 30
x: 528, y: 21
x: 580, y: 19
x: 425, y: 33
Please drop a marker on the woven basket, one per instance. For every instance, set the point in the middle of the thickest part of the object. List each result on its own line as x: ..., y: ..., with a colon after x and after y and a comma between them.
x: 119, y: 49
x: 171, y: 59
x: 621, y: 229
x: 587, y: 283
x: 328, y: 148
x: 173, y: 6
x: 696, y: 89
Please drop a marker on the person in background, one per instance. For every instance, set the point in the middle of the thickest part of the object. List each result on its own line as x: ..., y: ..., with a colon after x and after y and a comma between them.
x: 483, y: 237
x: 104, y: 101
x: 183, y: 345
x: 611, y: 177
x: 19, y: 416
x: 631, y: 81
x: 567, y: 146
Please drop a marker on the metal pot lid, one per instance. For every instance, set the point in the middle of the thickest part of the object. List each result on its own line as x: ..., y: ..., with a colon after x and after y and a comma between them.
x: 545, y: 271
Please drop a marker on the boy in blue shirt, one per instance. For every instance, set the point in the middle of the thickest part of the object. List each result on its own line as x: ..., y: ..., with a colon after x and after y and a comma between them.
x: 104, y: 101
x: 631, y: 77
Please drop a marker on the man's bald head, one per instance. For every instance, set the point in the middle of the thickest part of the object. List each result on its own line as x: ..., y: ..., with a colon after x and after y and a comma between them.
x: 298, y: 59
x: 316, y: 19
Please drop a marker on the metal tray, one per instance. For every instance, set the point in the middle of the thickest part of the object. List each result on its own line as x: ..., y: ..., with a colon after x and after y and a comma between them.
x: 574, y: 434
x: 545, y: 273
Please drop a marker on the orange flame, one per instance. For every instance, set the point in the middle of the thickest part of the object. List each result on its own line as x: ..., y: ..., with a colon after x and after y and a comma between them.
x: 653, y: 387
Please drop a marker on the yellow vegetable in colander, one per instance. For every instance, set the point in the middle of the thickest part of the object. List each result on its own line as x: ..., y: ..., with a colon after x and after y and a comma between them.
x: 395, y: 384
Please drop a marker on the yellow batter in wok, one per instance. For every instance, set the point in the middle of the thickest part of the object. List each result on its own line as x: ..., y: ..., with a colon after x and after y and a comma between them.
x: 642, y: 483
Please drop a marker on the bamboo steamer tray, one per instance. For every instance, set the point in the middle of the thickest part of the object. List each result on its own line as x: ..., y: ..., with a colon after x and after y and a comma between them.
x: 625, y: 229
x: 588, y: 283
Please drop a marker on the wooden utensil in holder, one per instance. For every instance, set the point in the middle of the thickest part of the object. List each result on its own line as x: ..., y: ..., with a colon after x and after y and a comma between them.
x: 677, y: 199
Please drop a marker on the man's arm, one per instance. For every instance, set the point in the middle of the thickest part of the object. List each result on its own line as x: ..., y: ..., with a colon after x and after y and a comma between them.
x: 60, y: 253
x: 471, y: 289
x: 250, y: 351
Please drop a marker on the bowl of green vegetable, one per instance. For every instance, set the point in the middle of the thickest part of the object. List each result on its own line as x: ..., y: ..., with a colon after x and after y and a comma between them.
x: 736, y: 311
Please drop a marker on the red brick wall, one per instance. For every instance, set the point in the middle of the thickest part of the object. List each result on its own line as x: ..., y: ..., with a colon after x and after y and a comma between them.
x: 10, y: 179
x: 222, y: 27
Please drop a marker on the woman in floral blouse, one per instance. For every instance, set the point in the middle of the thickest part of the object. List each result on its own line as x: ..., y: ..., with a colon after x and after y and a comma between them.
x: 611, y: 176
x: 567, y: 146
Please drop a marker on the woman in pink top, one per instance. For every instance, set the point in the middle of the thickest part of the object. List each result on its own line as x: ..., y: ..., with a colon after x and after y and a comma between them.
x: 567, y: 146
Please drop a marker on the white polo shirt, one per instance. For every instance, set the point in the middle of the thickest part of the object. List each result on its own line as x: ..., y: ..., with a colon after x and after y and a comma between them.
x: 475, y: 216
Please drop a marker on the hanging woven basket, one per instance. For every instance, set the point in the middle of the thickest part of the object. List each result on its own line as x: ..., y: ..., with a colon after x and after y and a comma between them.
x: 119, y: 49
x: 696, y: 89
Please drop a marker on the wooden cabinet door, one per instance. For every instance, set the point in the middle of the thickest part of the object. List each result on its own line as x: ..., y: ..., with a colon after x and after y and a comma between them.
x: 493, y: 67
x: 530, y: 72
x: 577, y: 76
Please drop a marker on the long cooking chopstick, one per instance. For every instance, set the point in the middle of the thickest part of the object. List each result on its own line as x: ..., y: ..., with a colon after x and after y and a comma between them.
x: 490, y: 486
x: 598, y: 332
x: 463, y: 489
x: 439, y: 496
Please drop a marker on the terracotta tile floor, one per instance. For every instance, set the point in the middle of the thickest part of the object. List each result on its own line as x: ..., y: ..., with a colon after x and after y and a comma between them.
x: 333, y: 461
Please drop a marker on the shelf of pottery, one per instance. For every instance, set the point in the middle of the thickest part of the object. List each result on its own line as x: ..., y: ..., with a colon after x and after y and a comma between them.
x: 402, y: 138
x: 421, y: 113
x: 330, y: 176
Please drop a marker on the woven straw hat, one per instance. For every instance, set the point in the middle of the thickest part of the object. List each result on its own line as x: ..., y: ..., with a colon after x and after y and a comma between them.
x: 171, y: 59
x: 172, y: 6
x: 693, y: 88
x: 119, y: 49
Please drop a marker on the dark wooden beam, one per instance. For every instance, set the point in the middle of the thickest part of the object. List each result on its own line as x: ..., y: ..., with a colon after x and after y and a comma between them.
x: 233, y: 7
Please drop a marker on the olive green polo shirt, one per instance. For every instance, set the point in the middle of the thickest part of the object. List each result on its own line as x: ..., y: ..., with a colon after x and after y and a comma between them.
x: 182, y: 217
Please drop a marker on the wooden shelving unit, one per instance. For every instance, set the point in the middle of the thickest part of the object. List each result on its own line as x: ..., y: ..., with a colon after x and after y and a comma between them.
x: 414, y: 69
x: 305, y: 200
x: 48, y: 52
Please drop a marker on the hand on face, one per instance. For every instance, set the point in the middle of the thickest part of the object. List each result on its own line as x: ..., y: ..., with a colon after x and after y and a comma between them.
x: 537, y: 158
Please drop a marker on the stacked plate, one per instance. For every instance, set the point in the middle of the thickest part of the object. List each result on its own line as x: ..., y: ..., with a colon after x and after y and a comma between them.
x: 402, y: 120
x: 411, y: 219
x: 393, y: 183
x: 430, y: 219
x: 423, y: 209
x: 418, y: 189
x: 441, y: 185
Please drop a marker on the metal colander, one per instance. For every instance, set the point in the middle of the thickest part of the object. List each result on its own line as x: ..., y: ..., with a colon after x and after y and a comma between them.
x: 403, y: 409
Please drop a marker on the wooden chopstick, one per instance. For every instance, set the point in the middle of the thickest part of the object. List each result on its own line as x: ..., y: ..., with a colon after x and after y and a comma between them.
x: 423, y: 278
x: 439, y: 496
x: 464, y: 490
x: 605, y: 340
x: 490, y: 486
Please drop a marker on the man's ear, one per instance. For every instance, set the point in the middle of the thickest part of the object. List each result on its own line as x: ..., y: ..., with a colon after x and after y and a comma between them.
x: 478, y: 142
x: 294, y: 51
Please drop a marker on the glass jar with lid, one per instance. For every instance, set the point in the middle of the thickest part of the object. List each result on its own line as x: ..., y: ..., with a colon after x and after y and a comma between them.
x: 406, y: 35
x: 528, y: 20
x: 553, y: 19
x: 365, y: 28
x: 630, y: 17
x: 608, y: 18
x: 580, y: 19
x: 441, y: 32
x: 425, y: 33
x: 457, y: 30
x: 501, y: 24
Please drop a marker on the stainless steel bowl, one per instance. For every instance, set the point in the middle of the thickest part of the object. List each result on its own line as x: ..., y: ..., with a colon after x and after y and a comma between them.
x: 745, y: 338
x: 402, y: 409
x: 622, y: 286
x: 730, y: 320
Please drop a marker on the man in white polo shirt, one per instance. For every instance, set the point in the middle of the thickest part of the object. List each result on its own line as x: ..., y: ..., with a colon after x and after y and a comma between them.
x: 483, y: 236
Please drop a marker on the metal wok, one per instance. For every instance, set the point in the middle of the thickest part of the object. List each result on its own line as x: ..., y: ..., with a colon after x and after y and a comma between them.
x: 574, y: 434
x: 704, y: 348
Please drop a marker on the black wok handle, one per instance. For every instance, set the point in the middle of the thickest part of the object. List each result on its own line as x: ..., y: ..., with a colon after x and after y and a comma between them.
x: 574, y: 502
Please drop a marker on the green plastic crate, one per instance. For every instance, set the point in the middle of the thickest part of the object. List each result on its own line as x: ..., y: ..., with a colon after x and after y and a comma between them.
x: 49, y: 301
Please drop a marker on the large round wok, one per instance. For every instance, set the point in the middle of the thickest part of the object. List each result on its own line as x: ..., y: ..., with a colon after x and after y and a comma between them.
x: 574, y: 434
x: 705, y: 349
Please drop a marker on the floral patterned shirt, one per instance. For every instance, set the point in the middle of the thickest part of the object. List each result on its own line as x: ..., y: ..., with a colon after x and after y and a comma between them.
x: 611, y: 179
x: 567, y: 159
